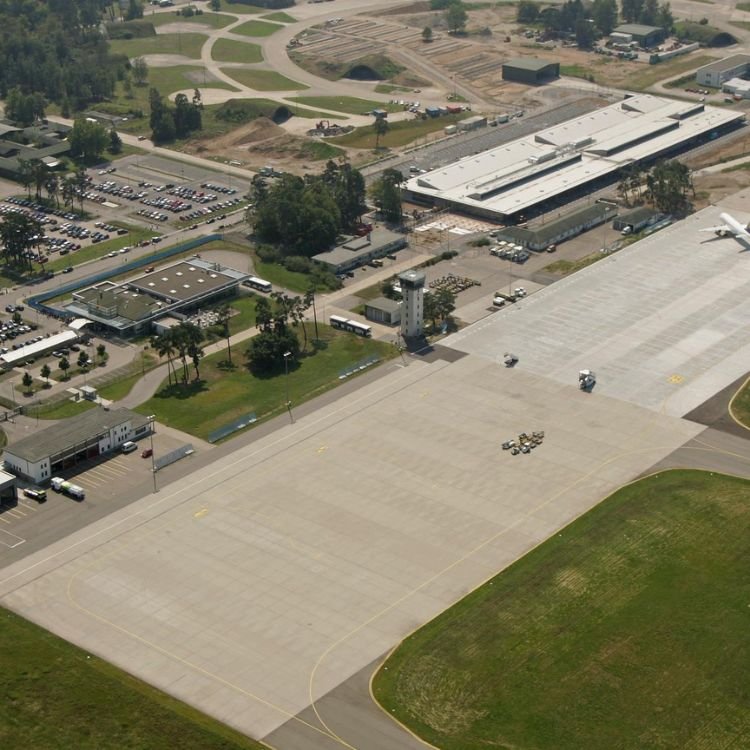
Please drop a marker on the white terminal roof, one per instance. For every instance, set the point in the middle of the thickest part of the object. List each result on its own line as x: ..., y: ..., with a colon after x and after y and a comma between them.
x: 12, y: 358
x: 522, y: 173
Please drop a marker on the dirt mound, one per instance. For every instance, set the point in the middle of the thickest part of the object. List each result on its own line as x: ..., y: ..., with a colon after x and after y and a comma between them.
x: 260, y: 130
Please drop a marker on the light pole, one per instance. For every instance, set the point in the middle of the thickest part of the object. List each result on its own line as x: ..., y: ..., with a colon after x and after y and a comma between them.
x: 152, y: 419
x: 286, y: 381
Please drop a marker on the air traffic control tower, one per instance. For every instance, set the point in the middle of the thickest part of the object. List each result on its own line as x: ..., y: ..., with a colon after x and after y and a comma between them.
x: 412, y: 310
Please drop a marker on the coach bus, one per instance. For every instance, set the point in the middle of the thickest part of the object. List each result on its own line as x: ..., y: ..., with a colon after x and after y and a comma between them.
x: 352, y: 326
x: 260, y: 284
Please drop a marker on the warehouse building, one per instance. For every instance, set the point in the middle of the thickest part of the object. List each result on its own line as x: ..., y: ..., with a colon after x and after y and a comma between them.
x: 533, y: 174
x: 530, y: 70
x: 557, y: 230
x: 636, y: 219
x: 131, y: 307
x: 355, y: 252
x: 716, y: 73
x: 645, y: 36
x: 383, y: 310
x: 61, y: 446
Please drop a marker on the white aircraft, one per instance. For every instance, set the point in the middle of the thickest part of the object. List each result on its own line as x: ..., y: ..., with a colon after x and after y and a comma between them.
x: 730, y: 228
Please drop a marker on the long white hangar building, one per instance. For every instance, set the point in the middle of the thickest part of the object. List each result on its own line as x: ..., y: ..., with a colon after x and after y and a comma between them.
x: 554, y: 165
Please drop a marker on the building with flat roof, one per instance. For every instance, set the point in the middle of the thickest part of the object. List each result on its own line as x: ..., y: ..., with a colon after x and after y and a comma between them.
x: 715, y: 73
x: 383, y: 310
x: 62, y: 445
x: 354, y: 252
x: 131, y: 307
x: 530, y: 70
x: 15, y: 357
x: 45, y: 141
x: 636, y: 219
x: 568, y: 160
x: 646, y: 36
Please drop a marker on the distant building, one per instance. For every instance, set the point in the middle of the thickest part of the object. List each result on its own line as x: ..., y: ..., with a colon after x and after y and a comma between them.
x: 530, y: 70
x: 737, y: 87
x: 715, y: 73
x: 8, y: 490
x: 383, y: 310
x: 62, y: 445
x: 412, y: 310
x: 45, y: 141
x: 354, y: 252
x: 646, y: 36
x: 557, y: 230
x: 636, y: 219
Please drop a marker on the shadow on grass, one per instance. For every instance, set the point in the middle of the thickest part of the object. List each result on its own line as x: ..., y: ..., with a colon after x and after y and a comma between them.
x: 226, y: 366
x: 182, y: 390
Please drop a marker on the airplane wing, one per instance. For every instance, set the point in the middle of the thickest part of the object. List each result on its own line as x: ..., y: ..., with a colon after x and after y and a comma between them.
x: 723, y: 228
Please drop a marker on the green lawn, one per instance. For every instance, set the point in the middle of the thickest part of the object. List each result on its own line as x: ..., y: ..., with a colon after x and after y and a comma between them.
x: 349, y: 104
x: 648, y: 75
x: 229, y: 50
x: 280, y: 18
x: 188, y: 45
x: 626, y: 630
x: 263, y: 80
x: 399, y: 133
x: 214, y: 20
x: 59, y: 697
x: 566, y: 267
x: 256, y: 28
x: 740, y: 405
x: 91, y: 252
x: 59, y: 410
x: 223, y: 395
x: 240, y: 9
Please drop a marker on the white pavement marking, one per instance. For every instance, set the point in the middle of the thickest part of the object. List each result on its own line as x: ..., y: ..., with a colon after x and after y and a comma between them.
x: 10, y: 540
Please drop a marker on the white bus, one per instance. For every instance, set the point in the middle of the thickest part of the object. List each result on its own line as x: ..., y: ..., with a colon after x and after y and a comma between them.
x: 352, y: 326
x: 260, y: 284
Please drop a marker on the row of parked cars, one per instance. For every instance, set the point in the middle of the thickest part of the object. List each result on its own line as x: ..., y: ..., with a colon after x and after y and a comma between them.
x: 206, y: 210
x: 218, y: 188
x: 39, y: 208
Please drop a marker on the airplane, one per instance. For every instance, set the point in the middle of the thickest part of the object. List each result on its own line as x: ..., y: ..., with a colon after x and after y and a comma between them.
x: 730, y: 228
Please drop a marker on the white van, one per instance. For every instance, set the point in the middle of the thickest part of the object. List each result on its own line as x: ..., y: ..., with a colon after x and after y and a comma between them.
x: 129, y: 447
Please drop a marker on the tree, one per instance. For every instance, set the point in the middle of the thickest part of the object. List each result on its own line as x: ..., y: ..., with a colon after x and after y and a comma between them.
x: 585, y: 35
x: 45, y: 372
x: 115, y: 142
x: 19, y: 233
x: 668, y: 184
x: 215, y: 5
x: 380, y: 126
x: 426, y: 34
x: 266, y: 351
x: 140, y: 71
x: 649, y: 12
x: 101, y: 352
x: 187, y: 115
x: 52, y: 186
x: 439, y: 305
x: 631, y: 10
x: 528, y: 12
x: 88, y: 139
x: 665, y: 19
x: 27, y: 381
x: 604, y: 15
x: 135, y: 10
x: 68, y: 191
x: 39, y: 176
x: 83, y: 360
x: 64, y: 366
x: 25, y: 176
x: 224, y: 313
x: 164, y: 346
x: 456, y: 17
x: 386, y: 195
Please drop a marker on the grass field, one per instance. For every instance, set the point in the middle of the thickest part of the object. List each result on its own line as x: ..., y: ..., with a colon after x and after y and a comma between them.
x: 349, y: 104
x: 59, y: 410
x: 566, y: 267
x: 187, y: 45
x: 58, y: 696
x: 240, y: 9
x: 229, y: 50
x: 214, y: 20
x: 264, y: 80
x: 225, y: 394
x: 280, y: 18
x: 256, y: 28
x: 399, y: 133
x: 649, y: 75
x: 627, y: 630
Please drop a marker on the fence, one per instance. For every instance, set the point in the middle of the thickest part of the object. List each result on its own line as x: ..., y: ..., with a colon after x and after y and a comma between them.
x: 237, y: 424
x: 358, y: 366
x: 172, y: 456
x: 37, y: 301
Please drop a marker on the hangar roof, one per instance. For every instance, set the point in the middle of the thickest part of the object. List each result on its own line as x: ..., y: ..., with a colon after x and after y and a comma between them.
x: 534, y: 64
x: 519, y: 174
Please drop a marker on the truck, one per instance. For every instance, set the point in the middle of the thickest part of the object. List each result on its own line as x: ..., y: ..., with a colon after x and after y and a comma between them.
x: 67, y: 488
x: 586, y: 380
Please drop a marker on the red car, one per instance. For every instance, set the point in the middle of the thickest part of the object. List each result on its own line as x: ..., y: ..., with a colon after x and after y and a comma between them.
x: 147, y: 453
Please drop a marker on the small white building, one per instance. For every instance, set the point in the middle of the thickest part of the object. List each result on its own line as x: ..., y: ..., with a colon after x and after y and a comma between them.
x: 412, y: 309
x: 737, y: 87
x: 61, y: 446
x: 715, y: 73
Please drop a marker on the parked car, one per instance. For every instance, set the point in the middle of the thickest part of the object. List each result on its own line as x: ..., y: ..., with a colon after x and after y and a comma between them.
x: 147, y: 453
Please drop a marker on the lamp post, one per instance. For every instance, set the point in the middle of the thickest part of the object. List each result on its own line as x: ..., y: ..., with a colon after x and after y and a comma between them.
x: 286, y: 381
x: 152, y: 419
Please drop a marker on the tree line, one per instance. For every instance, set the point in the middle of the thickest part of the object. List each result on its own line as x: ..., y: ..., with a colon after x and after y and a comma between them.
x: 304, y: 215
x: 180, y: 344
x: 667, y: 186
x: 169, y: 122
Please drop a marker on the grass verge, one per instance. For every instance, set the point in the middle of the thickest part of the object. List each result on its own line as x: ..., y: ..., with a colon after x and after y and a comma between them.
x: 399, y: 133
x: 264, y: 80
x: 224, y: 394
x: 280, y: 18
x: 53, y: 688
x: 230, y: 50
x: 214, y: 20
x: 628, y: 629
x: 59, y: 409
x: 349, y: 104
x: 740, y: 405
x: 256, y: 28
x: 187, y: 45
x: 566, y: 267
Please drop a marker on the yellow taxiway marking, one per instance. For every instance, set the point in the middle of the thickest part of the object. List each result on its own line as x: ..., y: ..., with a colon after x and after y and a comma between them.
x: 676, y: 379
x: 322, y: 449
x: 202, y: 512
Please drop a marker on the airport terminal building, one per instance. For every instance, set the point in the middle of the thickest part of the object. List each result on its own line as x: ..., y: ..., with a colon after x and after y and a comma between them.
x: 514, y: 181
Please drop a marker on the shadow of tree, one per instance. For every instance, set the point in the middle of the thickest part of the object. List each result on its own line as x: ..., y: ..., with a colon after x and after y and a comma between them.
x: 182, y: 390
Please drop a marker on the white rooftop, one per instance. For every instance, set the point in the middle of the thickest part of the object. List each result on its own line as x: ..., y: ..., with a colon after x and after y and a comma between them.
x: 529, y: 170
x: 12, y: 358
